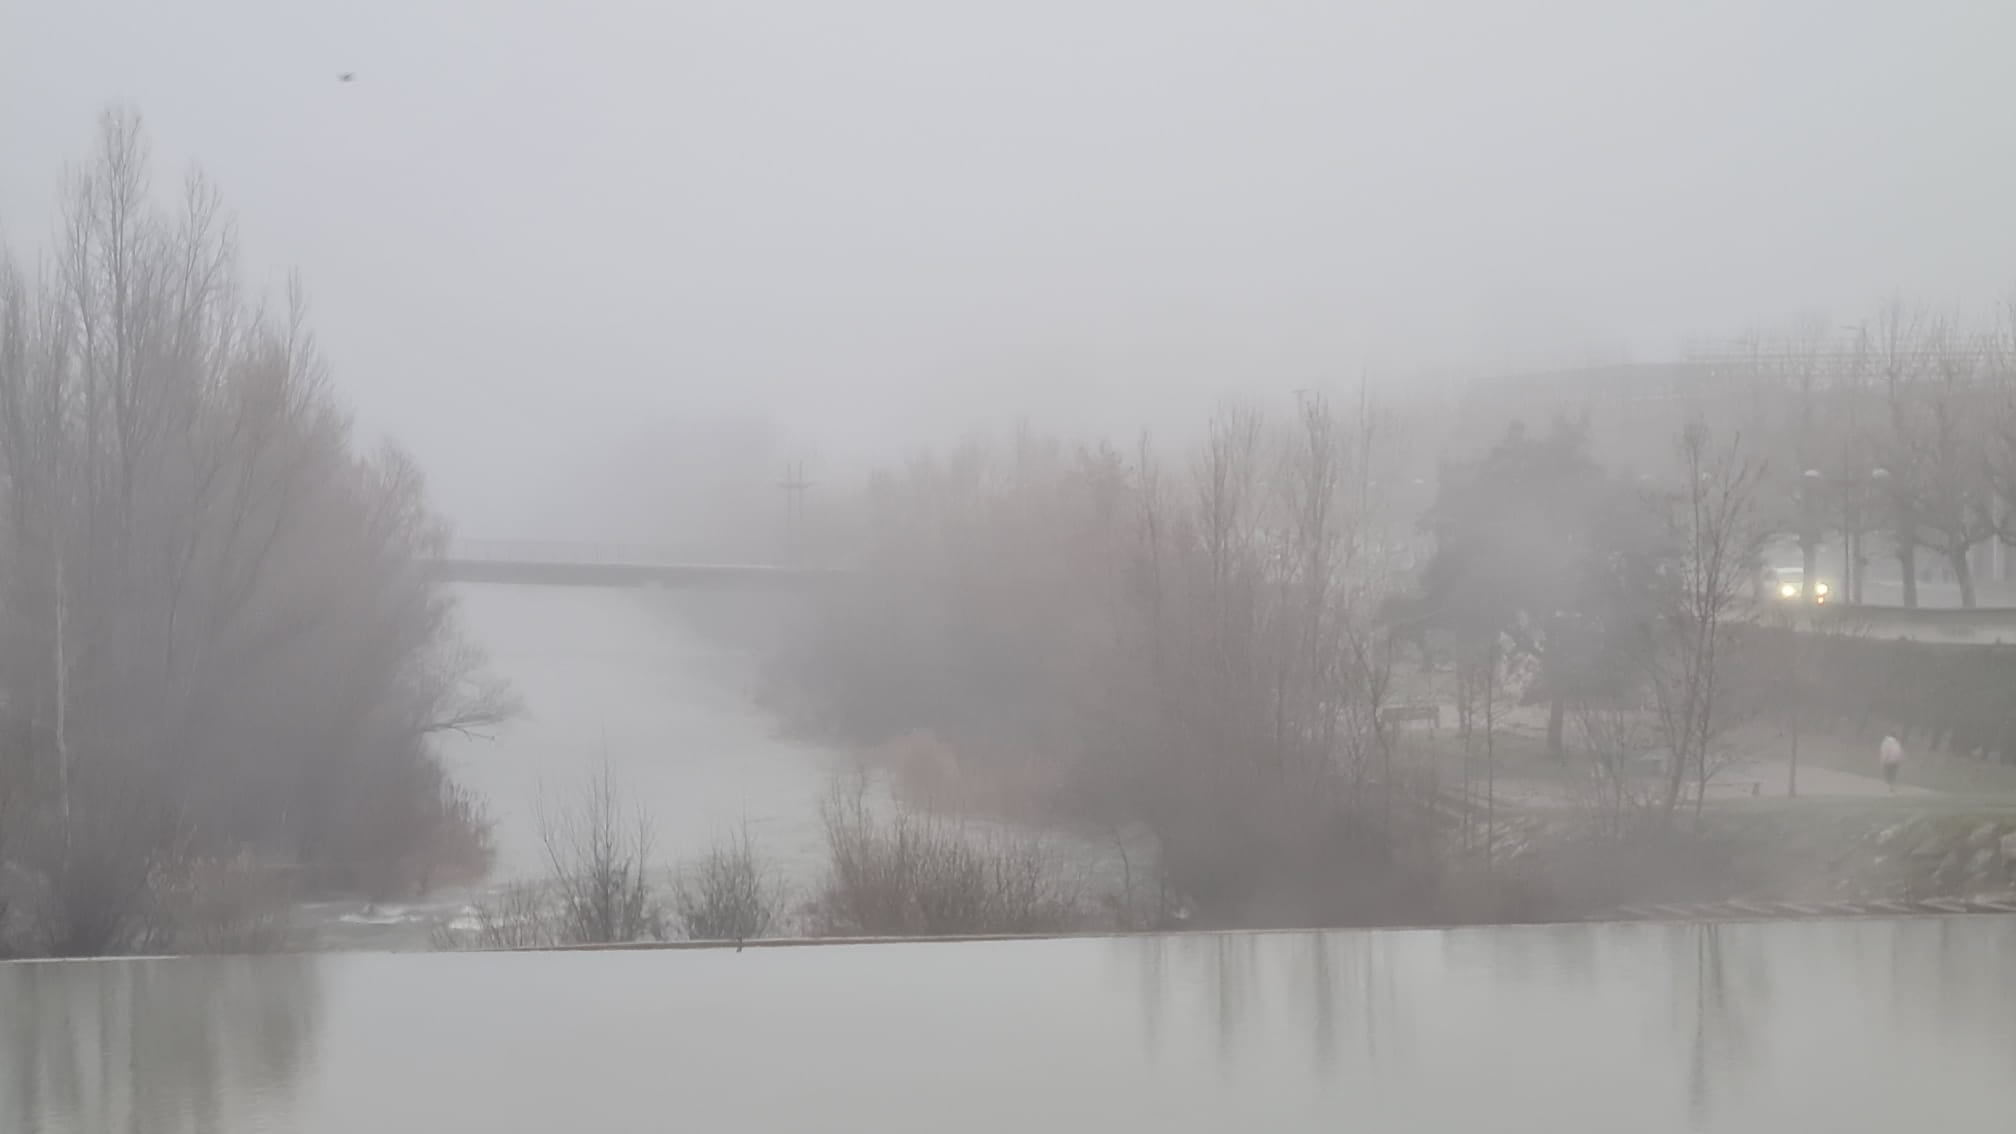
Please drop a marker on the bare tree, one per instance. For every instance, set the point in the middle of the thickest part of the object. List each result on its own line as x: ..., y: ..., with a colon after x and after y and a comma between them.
x: 1618, y: 741
x: 1898, y: 353
x: 1480, y: 698
x: 1712, y: 523
x: 598, y: 854
x: 2000, y: 344
x: 1942, y: 431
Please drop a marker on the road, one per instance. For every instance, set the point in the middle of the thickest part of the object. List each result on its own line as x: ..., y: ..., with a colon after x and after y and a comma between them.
x: 1938, y: 596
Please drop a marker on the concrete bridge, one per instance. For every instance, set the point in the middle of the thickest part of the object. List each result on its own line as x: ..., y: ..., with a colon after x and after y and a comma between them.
x: 562, y: 564
x: 573, y: 564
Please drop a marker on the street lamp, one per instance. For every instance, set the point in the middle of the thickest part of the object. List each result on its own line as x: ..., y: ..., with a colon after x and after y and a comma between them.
x: 1878, y: 477
x: 1854, y: 488
x: 1812, y: 490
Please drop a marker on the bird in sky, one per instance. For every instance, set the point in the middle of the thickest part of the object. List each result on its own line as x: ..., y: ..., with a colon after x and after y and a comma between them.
x: 347, y: 77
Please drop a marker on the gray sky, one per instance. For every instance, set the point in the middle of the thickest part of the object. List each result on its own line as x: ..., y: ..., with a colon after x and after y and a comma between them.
x: 538, y: 231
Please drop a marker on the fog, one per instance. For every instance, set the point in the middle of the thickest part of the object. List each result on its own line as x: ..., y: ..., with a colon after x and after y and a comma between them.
x: 1122, y: 466
x: 536, y: 233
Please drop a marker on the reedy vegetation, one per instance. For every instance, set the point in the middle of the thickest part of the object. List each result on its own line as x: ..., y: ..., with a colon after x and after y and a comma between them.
x: 912, y: 873
x: 890, y: 872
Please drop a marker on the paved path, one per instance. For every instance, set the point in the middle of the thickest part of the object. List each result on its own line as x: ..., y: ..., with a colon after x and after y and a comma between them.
x: 1818, y: 782
x: 1763, y: 779
x: 1755, y: 909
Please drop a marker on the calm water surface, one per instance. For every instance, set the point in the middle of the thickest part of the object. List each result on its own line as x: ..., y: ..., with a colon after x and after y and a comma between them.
x: 659, y: 684
x: 1846, y: 1026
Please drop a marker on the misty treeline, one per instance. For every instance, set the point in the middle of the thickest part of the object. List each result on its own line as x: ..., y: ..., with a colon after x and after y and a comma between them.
x: 1895, y: 436
x: 1221, y: 645
x: 221, y: 656
x: 1188, y: 642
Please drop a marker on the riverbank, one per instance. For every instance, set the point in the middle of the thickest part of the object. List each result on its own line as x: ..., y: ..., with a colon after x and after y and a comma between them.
x: 667, y: 694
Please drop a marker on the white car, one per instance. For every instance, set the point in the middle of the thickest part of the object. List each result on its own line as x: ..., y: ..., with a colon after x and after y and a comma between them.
x: 1788, y: 584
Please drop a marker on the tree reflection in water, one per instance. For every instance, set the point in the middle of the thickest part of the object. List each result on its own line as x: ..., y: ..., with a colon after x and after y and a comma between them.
x: 1722, y: 987
x: 1953, y: 976
x: 153, y: 1045
x: 1947, y: 981
x: 1332, y: 986
x: 1772, y: 1026
x: 1696, y: 1025
x: 1219, y: 964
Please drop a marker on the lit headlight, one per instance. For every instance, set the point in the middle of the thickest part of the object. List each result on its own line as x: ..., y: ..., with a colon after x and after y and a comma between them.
x: 1788, y: 590
x: 1822, y: 590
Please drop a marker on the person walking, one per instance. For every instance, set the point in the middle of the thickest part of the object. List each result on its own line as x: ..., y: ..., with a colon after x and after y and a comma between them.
x: 1891, y: 754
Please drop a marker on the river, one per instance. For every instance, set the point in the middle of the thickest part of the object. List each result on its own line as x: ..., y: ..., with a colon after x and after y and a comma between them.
x: 660, y: 684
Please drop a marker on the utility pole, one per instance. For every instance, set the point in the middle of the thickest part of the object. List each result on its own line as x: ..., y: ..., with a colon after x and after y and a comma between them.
x: 794, y: 485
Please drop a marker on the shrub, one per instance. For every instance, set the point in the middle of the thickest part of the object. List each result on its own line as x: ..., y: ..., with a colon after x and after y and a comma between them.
x: 728, y: 895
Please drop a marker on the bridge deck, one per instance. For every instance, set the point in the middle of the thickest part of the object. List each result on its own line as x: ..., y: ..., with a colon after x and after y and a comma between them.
x: 609, y: 565
x: 560, y: 574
